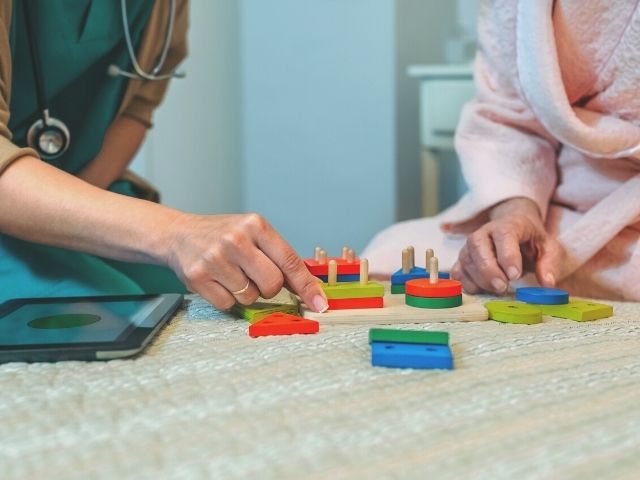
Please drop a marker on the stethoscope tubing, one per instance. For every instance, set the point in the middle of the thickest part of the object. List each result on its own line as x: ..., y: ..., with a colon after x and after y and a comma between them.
x: 139, y: 73
x: 47, y: 124
x: 35, y: 61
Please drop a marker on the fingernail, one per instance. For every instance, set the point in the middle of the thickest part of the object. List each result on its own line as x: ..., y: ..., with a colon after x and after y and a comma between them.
x: 320, y: 304
x: 513, y: 273
x: 498, y: 285
x: 550, y: 279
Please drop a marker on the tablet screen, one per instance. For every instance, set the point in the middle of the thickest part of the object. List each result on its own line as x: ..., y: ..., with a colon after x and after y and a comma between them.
x: 77, y: 322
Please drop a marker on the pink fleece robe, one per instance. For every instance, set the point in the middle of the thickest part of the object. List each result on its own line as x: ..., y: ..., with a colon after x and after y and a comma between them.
x: 556, y: 118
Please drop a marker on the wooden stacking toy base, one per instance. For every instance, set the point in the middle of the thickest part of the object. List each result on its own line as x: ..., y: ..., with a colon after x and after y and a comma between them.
x: 396, y: 311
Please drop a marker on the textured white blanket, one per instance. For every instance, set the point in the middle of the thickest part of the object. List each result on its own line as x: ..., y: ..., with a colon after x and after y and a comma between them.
x: 559, y: 399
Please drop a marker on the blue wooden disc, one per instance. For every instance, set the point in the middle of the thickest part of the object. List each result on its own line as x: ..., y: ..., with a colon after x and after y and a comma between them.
x: 542, y: 296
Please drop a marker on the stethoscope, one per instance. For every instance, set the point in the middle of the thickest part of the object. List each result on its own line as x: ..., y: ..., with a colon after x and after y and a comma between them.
x: 48, y: 135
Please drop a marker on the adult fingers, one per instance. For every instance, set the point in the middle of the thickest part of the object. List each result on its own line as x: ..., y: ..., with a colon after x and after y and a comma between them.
x: 472, y: 272
x: 469, y: 286
x: 548, y: 264
x: 222, y: 269
x: 265, y: 274
x: 481, y: 262
x: 246, y: 295
x: 214, y: 293
x: 507, y: 245
x: 290, y: 264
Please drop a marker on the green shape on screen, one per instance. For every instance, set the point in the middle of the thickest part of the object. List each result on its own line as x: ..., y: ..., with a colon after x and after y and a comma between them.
x: 69, y: 320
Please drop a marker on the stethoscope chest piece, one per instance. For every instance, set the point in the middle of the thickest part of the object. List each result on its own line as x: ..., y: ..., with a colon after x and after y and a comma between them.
x: 49, y: 136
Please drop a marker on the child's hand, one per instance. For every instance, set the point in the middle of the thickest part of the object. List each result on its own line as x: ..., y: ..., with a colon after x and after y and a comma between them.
x: 512, y: 241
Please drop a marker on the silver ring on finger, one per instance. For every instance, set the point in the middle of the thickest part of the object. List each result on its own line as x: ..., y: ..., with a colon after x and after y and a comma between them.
x: 242, y: 290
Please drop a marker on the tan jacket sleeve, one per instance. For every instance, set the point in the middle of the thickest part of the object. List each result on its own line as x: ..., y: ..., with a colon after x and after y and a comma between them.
x: 8, y: 151
x: 143, y: 96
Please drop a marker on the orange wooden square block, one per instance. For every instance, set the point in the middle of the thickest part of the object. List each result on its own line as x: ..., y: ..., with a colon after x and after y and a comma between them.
x: 353, y: 303
x: 344, y: 267
x: 283, y: 324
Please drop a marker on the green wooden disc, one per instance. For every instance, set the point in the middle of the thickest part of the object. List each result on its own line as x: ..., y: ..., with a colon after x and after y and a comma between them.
x: 397, y: 288
x: 514, y: 312
x: 425, y: 302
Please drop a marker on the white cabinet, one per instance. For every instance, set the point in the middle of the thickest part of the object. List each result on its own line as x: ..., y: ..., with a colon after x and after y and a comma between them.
x: 444, y: 89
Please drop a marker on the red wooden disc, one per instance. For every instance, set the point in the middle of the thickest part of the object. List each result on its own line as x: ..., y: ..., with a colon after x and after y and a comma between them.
x: 352, y: 303
x: 421, y: 287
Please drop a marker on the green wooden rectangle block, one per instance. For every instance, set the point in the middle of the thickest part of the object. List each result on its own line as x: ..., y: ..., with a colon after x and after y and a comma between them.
x: 408, y: 336
x: 395, y: 289
x: 578, y: 310
x: 353, y: 290
x: 259, y: 310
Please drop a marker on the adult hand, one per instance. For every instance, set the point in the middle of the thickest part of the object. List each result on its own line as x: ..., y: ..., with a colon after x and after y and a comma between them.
x: 217, y: 255
x: 514, y: 240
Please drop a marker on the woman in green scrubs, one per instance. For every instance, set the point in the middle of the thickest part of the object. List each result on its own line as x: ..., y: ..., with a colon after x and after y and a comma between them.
x: 68, y: 229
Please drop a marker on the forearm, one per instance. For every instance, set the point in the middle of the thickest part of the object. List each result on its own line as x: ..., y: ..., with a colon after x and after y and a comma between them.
x: 213, y: 255
x: 42, y: 204
x: 121, y: 143
x: 515, y: 206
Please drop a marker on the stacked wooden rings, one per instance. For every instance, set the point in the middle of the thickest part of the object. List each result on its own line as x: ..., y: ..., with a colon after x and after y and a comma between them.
x: 421, y: 293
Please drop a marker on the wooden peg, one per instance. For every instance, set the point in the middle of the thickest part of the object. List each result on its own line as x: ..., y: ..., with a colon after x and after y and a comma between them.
x: 406, y: 261
x: 345, y: 251
x: 412, y: 256
x: 322, y: 257
x: 433, y: 270
x: 316, y: 254
x: 351, y: 255
x: 364, y: 271
x: 429, y: 256
x: 332, y: 279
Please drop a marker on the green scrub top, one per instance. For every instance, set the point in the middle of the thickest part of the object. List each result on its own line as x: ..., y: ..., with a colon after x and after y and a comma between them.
x: 77, y: 41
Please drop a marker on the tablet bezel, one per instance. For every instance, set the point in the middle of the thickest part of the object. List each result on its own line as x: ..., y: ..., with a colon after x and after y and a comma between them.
x: 130, y: 342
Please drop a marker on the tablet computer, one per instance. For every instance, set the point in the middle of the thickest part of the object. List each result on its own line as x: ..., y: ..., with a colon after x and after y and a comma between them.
x: 81, y: 328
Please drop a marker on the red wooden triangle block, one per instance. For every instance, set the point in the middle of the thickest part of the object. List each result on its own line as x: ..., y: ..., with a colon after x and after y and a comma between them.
x: 283, y: 324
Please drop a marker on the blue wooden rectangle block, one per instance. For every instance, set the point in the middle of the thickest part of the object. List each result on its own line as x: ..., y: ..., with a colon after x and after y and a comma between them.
x: 400, y: 278
x: 407, y: 355
x: 340, y: 278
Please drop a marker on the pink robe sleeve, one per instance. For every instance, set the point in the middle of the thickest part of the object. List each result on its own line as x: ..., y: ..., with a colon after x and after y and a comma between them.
x: 504, y: 151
